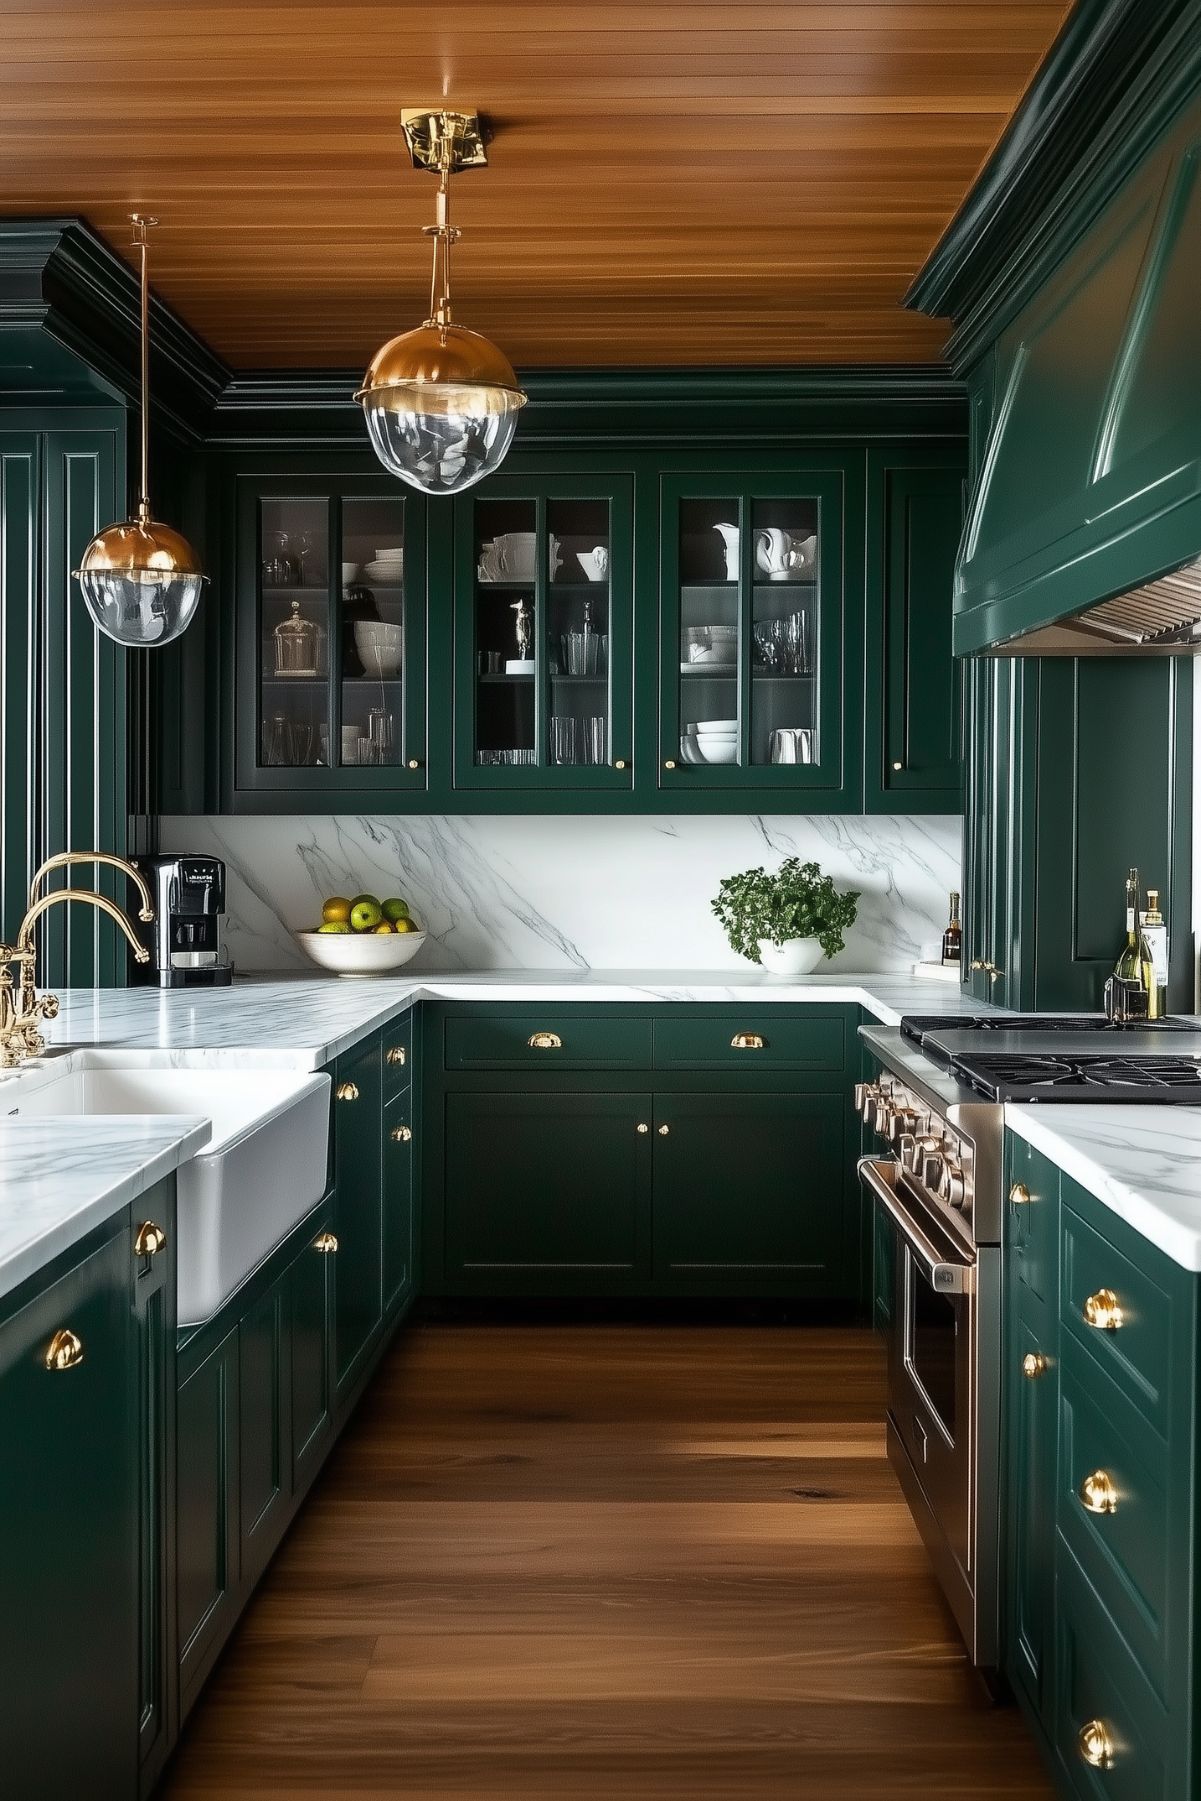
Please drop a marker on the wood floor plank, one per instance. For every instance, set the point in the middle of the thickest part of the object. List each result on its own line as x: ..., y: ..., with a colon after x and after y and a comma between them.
x: 616, y: 1563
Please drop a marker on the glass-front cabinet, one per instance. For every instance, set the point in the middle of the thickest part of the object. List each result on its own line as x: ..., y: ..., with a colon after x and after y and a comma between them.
x: 753, y: 645
x: 333, y: 648
x: 543, y: 652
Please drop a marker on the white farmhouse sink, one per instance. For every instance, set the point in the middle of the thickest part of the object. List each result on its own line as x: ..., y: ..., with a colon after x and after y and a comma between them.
x: 263, y: 1169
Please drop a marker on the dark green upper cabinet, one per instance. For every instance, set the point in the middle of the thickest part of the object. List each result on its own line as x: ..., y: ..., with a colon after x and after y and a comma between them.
x: 759, y: 628
x: 543, y: 636
x: 912, y: 711
x: 330, y: 668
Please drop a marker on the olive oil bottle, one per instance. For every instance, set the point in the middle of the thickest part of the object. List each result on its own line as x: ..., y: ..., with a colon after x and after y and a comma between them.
x: 1135, y: 968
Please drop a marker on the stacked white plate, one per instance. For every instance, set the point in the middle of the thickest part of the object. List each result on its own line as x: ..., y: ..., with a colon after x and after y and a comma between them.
x: 711, y: 741
x: 387, y: 566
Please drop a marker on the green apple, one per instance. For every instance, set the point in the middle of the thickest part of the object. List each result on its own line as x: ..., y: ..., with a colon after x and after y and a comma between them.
x: 365, y: 914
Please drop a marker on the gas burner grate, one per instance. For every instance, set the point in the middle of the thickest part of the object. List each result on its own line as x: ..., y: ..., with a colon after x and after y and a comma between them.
x: 1083, y: 1078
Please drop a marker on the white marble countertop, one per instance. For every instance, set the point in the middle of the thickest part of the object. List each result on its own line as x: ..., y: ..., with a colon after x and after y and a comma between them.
x: 1143, y: 1162
x: 307, y: 1021
x: 61, y: 1177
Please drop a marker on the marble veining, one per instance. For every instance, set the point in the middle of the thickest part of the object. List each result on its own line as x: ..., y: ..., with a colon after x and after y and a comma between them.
x: 571, y: 892
x: 1143, y: 1162
x: 61, y: 1177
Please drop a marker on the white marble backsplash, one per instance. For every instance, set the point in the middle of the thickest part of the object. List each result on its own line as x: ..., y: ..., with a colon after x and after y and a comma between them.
x: 571, y: 892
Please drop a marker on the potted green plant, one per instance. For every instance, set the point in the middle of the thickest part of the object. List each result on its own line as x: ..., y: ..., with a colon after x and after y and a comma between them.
x: 788, y: 921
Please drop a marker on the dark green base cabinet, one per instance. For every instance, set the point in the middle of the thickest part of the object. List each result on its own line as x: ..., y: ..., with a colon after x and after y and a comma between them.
x: 1101, y: 1506
x: 639, y: 1152
x: 84, y: 1618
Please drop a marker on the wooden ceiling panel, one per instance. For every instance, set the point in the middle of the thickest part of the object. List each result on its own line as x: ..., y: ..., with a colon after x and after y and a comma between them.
x: 715, y: 183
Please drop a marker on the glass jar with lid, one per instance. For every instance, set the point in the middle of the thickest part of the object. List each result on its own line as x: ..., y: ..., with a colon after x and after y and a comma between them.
x: 296, y: 644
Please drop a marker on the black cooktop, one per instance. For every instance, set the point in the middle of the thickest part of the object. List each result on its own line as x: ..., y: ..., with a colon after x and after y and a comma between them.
x: 917, y: 1026
x: 1006, y: 1076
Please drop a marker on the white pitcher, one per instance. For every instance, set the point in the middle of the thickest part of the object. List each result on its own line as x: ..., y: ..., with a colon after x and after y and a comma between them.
x: 594, y: 563
x: 731, y: 536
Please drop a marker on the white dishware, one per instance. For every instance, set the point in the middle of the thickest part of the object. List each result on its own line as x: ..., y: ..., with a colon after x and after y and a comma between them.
x: 380, y: 646
x: 792, y: 744
x: 350, y: 572
x: 721, y: 727
x: 783, y: 558
x: 513, y: 557
x: 594, y: 563
x: 708, y: 644
x: 718, y: 750
x: 360, y: 953
x: 730, y: 538
x: 795, y: 957
x: 520, y: 666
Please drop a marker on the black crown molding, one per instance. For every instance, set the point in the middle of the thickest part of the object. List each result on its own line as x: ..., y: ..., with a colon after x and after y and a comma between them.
x: 1116, y: 75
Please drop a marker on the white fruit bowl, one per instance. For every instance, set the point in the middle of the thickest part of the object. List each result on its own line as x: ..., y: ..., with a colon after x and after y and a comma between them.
x: 360, y: 953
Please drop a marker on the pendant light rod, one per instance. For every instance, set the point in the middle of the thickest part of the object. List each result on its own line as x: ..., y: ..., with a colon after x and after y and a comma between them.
x: 141, y: 223
x: 444, y: 158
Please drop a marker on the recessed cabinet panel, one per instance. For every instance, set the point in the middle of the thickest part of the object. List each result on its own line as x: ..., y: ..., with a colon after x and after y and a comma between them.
x: 358, y: 1227
x: 310, y: 1299
x: 206, y: 1540
x: 263, y: 1473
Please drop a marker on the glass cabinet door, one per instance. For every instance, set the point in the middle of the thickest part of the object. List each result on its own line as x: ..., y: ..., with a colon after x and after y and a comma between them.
x: 753, y: 650
x: 543, y: 636
x: 336, y: 636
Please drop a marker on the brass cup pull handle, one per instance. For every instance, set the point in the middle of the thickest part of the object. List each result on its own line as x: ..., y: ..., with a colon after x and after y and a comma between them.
x: 663, y: 1131
x: 1098, y: 1494
x: 65, y: 1350
x: 1103, y: 1311
x: 326, y: 1243
x: 1019, y: 1195
x: 347, y: 1091
x: 402, y: 1134
x: 397, y: 1054
x: 150, y: 1239
x: 1034, y: 1365
x: 1095, y: 1745
x: 545, y: 1041
x: 748, y: 1041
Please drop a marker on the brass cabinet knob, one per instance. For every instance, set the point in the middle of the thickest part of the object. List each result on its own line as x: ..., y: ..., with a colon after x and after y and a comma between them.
x: 1098, y: 1494
x: 1103, y: 1311
x: 619, y: 763
x: 150, y: 1239
x: 748, y: 1041
x: 544, y: 1041
x: 414, y: 762
x: 65, y: 1350
x: 1019, y: 1195
x: 1095, y: 1745
x: 1034, y: 1365
x: 898, y: 766
x: 402, y: 1134
x: 663, y: 1131
x: 670, y: 763
x: 397, y: 1053
x: 642, y: 1126
x: 347, y: 1091
x: 326, y: 1243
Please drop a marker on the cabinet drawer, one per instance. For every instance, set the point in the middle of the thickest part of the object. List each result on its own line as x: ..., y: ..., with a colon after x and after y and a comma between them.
x: 1109, y: 1458
x: 397, y: 1041
x: 541, y: 1039
x: 1134, y: 1346
x: 1099, y: 1684
x: 751, y: 1040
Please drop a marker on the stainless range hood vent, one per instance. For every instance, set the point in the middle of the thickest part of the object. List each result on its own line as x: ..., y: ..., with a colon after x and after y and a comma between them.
x: 1162, y: 616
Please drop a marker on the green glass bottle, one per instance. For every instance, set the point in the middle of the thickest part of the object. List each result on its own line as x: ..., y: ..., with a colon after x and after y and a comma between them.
x: 1136, y: 965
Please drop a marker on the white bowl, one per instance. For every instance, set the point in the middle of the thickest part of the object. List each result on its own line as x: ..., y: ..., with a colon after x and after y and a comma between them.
x: 360, y: 953
x: 380, y: 646
x: 389, y: 553
x: 720, y: 728
x: 349, y: 573
x: 718, y: 750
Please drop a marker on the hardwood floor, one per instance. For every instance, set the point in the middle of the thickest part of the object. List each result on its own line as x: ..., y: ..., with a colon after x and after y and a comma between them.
x: 606, y: 1561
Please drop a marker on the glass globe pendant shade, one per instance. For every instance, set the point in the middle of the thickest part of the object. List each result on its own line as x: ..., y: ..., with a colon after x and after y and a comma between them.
x: 141, y: 582
x: 441, y: 406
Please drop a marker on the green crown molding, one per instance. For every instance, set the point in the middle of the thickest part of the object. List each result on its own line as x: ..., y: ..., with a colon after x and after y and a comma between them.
x: 1118, y: 73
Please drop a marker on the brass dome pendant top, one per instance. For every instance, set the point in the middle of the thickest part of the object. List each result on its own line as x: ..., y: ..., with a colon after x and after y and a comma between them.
x: 441, y: 402
x: 141, y: 580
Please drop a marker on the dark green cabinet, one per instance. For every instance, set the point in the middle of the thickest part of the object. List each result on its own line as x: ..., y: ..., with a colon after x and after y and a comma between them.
x: 69, y: 1501
x: 207, y: 1558
x: 153, y: 1258
x: 264, y: 1396
x: 358, y: 1217
x: 310, y: 1301
x: 399, y: 1248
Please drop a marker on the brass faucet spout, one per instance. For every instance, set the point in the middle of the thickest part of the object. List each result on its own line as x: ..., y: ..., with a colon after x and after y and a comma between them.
x: 65, y: 858
x: 25, y: 934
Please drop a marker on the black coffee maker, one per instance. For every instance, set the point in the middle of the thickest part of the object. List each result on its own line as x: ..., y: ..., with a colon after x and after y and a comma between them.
x: 184, y: 939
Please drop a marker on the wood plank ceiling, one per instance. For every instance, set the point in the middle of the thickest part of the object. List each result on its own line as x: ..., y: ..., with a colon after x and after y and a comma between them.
x: 715, y: 182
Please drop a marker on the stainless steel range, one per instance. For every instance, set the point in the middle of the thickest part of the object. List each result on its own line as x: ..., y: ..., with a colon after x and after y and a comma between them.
x: 936, y: 1112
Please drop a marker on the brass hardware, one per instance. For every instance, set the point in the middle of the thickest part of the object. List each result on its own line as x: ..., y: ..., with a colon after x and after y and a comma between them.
x: 1019, y: 1195
x: 1098, y: 1494
x: 414, y: 762
x: 426, y: 131
x: 65, y: 1351
x: 1103, y: 1311
x: 977, y: 963
x: 544, y: 1041
x: 642, y: 1126
x: 619, y: 762
x: 994, y: 973
x: 326, y: 1243
x: 347, y: 1091
x: 747, y: 1041
x: 1034, y: 1364
x: 670, y: 763
x: 898, y: 766
x: 150, y: 1239
x: 396, y: 1053
x: 1095, y: 1745
x: 65, y: 858
x: 401, y: 1134
x: 663, y: 1131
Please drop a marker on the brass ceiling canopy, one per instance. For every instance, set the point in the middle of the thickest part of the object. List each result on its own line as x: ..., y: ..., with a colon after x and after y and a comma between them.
x: 441, y: 402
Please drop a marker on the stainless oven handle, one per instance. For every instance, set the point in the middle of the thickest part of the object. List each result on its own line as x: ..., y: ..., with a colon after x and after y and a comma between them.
x: 946, y: 1277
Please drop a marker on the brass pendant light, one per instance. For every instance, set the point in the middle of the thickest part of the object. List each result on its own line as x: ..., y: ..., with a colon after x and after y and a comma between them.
x: 141, y: 580
x: 441, y: 402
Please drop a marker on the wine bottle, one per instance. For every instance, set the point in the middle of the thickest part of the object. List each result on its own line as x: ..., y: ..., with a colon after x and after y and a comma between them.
x: 1155, y: 931
x: 1134, y: 969
x: 952, y: 937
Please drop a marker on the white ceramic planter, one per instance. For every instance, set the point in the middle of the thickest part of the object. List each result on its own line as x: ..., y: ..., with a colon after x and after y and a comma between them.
x: 795, y: 957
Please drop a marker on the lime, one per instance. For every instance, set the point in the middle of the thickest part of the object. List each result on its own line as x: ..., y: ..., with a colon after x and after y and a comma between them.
x: 336, y: 910
x: 334, y: 925
x: 365, y: 914
x: 395, y: 909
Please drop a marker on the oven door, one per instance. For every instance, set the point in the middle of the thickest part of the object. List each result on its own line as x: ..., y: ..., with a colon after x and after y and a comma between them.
x: 932, y: 1398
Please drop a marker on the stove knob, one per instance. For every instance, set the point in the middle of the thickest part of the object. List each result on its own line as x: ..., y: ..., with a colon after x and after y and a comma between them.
x: 867, y: 1100
x: 860, y: 1096
x: 932, y: 1161
x: 883, y: 1117
x: 904, y: 1123
x: 952, y: 1187
x: 905, y: 1143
